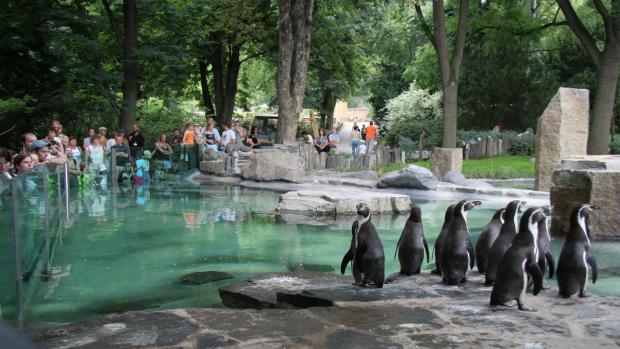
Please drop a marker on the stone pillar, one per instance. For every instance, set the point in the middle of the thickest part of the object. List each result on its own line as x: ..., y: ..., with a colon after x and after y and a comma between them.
x: 446, y: 159
x: 593, y: 179
x: 562, y: 131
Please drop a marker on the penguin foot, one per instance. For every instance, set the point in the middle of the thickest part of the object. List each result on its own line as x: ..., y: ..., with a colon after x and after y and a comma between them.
x: 583, y: 295
x: 488, y: 283
x: 436, y: 271
x: 524, y: 308
x: 546, y: 287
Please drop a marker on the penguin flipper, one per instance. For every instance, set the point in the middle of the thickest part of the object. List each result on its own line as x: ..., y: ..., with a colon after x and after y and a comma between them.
x: 592, y: 262
x: 470, y: 251
x: 533, y: 269
x: 550, y: 263
x: 398, y: 245
x: 345, y: 260
x: 426, y: 249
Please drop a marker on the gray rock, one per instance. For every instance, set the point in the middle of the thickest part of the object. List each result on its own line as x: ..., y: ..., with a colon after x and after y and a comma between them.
x: 204, y: 277
x: 274, y: 165
x: 367, y: 175
x: 454, y: 177
x: 340, y: 201
x: 562, y: 131
x: 412, y: 176
x: 477, y: 183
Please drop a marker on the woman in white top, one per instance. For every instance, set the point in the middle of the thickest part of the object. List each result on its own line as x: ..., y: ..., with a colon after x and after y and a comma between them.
x: 74, y: 150
x: 96, y: 156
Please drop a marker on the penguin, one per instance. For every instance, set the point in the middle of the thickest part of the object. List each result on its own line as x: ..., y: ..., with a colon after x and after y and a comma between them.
x: 487, y: 238
x: 506, y: 234
x: 365, y: 252
x: 576, y: 261
x: 519, y: 261
x: 545, y: 258
x: 439, y: 241
x: 457, y: 252
x: 412, y: 244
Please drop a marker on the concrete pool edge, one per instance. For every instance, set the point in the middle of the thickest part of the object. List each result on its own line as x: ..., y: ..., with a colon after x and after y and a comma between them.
x: 448, y: 317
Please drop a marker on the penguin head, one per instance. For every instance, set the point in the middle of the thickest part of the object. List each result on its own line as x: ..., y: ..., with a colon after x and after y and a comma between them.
x: 531, y: 218
x: 416, y: 214
x: 465, y: 206
x: 363, y: 210
x: 580, y: 215
x: 512, y: 209
x: 500, y: 215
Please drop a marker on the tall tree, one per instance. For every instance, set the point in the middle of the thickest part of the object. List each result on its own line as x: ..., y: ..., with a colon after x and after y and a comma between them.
x: 449, y: 65
x: 607, y: 62
x: 295, y: 31
x: 130, y: 65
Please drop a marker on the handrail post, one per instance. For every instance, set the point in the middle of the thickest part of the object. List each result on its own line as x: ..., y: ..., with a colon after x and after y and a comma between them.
x: 17, y: 255
x: 66, y: 167
x: 46, y: 220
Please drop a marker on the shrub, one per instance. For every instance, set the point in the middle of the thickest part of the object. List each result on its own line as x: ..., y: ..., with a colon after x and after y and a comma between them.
x: 614, y: 146
x: 412, y: 112
x: 524, y: 145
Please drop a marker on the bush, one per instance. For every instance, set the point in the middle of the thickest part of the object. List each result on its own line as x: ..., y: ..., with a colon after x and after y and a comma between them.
x: 524, y: 145
x: 410, y: 113
x: 614, y: 146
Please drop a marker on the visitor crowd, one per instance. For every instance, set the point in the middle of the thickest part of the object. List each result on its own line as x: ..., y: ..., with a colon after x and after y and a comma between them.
x: 93, y: 156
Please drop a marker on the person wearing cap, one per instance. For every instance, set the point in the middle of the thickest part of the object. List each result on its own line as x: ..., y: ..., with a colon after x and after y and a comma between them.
x: 142, y: 175
x: 237, y: 127
x: 48, y: 152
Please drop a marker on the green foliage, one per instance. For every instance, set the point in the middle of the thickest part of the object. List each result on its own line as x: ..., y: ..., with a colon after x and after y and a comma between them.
x: 412, y: 112
x: 615, y: 144
x: 524, y: 145
x: 157, y: 118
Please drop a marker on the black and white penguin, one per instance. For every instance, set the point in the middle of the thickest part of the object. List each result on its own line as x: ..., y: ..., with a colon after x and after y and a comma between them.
x: 457, y: 252
x: 545, y: 258
x: 519, y: 261
x: 576, y: 261
x: 506, y: 234
x: 365, y: 252
x: 437, y: 248
x: 487, y: 238
x: 412, y: 244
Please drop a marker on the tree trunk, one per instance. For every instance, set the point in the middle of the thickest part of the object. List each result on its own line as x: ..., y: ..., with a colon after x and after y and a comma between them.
x: 295, y: 29
x: 604, y: 100
x: 130, y: 65
x: 204, y: 85
x: 232, y: 74
x: 450, y: 92
x: 218, y: 82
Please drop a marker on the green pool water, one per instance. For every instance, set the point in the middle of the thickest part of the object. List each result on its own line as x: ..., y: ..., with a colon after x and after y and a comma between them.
x: 127, y: 252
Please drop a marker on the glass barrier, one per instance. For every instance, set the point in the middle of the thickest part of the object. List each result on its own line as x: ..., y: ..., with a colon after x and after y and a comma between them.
x: 33, y: 210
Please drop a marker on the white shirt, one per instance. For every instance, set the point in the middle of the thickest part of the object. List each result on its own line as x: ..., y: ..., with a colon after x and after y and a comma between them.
x: 228, y: 136
x: 110, y: 143
x: 363, y: 148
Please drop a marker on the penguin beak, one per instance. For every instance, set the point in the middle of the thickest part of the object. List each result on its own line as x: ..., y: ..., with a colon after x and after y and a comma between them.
x: 592, y: 208
x: 476, y: 203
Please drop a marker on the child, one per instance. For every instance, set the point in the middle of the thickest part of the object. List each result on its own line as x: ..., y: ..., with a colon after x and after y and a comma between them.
x: 142, y: 175
x: 188, y: 141
x: 362, y: 148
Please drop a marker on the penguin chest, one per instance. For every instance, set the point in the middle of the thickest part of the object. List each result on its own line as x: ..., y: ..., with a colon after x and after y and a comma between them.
x: 524, y: 278
x: 587, y: 269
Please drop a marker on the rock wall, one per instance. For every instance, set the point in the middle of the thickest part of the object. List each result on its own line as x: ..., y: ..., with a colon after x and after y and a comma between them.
x: 444, y: 160
x: 594, y: 179
x: 281, y: 162
x: 562, y: 131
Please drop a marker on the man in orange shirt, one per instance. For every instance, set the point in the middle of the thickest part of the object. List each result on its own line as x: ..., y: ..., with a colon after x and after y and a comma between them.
x: 371, y: 135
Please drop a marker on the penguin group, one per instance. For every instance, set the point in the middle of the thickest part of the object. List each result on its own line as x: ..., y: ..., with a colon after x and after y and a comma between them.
x: 513, y: 251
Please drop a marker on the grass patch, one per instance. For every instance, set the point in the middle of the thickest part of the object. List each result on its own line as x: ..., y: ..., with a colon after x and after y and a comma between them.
x: 499, y: 167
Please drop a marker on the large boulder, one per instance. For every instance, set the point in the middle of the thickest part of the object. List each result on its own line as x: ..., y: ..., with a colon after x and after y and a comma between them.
x: 444, y: 160
x: 454, y: 177
x: 593, y: 179
x: 335, y: 202
x: 562, y: 132
x: 274, y: 165
x: 412, y: 176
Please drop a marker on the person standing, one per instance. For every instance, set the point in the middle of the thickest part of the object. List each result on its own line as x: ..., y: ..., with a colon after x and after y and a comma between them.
x: 228, y: 138
x: 334, y: 139
x: 371, y: 136
x: 363, y: 131
x: 88, y: 139
x: 136, y: 140
x: 356, y: 137
x: 189, y: 138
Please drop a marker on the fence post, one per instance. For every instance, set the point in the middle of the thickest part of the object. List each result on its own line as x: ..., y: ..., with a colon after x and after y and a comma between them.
x: 17, y: 254
x: 66, y: 168
x: 46, y: 270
